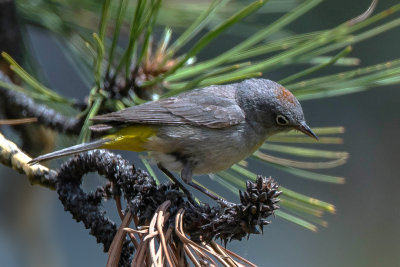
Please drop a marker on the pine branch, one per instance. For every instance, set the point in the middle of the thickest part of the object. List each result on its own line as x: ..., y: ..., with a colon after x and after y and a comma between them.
x: 143, y: 197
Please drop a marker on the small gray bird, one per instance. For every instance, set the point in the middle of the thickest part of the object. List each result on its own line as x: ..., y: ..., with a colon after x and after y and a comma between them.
x: 202, y: 131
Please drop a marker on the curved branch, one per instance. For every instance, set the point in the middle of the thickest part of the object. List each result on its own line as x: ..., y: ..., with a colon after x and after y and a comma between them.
x: 143, y: 196
x: 12, y: 156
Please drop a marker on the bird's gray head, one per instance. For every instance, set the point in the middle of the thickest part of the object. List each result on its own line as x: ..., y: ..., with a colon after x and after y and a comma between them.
x: 272, y: 106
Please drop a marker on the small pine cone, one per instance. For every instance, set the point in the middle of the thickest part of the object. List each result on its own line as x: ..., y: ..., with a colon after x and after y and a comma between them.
x: 235, y: 221
x: 258, y: 202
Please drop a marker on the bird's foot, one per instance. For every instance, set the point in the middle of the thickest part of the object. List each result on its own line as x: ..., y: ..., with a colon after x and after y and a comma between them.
x: 177, y: 183
x: 224, y: 203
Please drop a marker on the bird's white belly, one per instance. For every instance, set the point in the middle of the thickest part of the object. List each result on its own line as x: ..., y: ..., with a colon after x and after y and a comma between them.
x: 209, y: 150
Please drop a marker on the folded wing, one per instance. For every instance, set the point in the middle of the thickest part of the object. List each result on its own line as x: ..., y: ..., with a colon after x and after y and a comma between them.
x: 194, y: 108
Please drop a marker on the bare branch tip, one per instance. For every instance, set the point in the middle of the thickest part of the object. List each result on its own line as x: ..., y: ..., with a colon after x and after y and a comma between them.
x: 364, y: 15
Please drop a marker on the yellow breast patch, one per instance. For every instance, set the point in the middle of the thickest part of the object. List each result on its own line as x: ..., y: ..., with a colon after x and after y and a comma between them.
x: 131, y: 138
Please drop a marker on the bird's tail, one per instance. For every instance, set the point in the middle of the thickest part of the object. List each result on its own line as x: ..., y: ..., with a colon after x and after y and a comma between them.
x: 71, y: 150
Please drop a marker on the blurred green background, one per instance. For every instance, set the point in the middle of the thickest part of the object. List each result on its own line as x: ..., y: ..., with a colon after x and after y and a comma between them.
x: 364, y: 232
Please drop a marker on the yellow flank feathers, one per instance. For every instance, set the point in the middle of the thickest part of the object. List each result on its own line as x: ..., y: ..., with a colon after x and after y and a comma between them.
x: 130, y: 138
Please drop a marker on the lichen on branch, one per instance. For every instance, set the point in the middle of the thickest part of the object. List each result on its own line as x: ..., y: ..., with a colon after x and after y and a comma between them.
x: 12, y: 156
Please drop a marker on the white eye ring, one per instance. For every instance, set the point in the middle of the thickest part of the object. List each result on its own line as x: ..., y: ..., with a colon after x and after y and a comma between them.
x: 282, y: 120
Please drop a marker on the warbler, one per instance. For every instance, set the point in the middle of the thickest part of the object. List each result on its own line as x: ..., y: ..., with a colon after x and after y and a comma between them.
x: 201, y: 131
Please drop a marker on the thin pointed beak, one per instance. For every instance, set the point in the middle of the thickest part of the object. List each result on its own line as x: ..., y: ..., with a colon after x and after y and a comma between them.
x: 304, y: 128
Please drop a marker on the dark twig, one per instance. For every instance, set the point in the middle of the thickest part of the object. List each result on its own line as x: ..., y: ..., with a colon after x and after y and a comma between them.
x: 86, y: 207
x: 144, y: 197
x: 45, y: 115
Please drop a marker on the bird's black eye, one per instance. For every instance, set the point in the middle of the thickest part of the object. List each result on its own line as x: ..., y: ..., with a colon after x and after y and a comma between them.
x: 281, y: 120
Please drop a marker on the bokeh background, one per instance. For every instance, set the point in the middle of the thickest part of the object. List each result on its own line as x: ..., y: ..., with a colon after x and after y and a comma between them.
x: 364, y: 231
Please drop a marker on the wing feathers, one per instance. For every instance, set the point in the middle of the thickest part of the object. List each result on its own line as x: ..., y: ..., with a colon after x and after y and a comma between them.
x: 197, y: 109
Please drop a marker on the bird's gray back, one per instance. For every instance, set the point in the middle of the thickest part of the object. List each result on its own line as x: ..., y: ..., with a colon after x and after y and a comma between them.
x: 211, y: 107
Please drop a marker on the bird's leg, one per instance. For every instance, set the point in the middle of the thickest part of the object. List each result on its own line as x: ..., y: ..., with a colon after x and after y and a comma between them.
x: 186, y: 175
x: 176, y: 181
